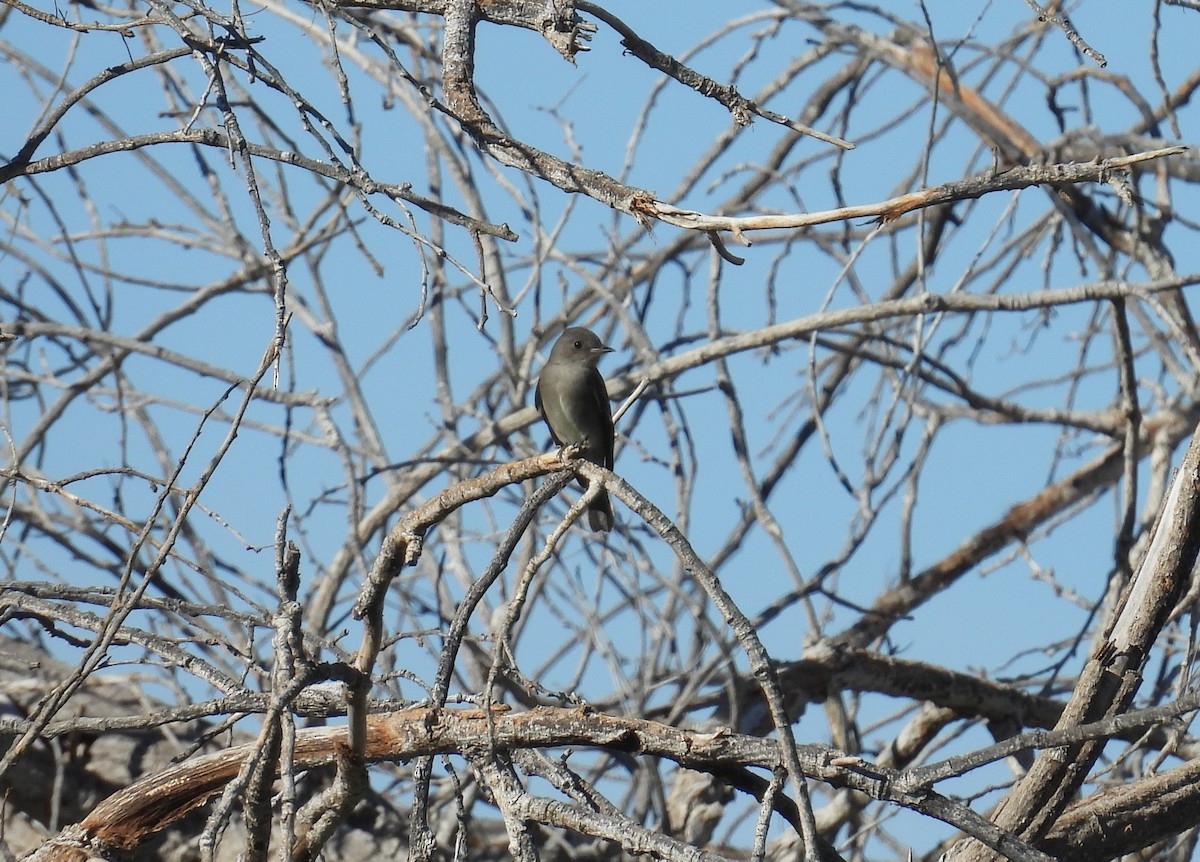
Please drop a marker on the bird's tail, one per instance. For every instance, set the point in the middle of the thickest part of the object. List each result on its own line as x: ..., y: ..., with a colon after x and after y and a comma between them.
x: 600, y: 513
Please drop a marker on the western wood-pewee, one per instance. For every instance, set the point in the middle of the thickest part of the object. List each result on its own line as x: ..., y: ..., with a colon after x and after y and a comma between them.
x: 573, y: 400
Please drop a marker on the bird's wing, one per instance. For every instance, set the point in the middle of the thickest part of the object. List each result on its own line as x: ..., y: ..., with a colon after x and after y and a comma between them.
x: 541, y: 408
x: 604, y: 407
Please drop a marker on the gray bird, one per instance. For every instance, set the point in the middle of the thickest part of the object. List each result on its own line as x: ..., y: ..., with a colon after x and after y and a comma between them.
x: 573, y: 400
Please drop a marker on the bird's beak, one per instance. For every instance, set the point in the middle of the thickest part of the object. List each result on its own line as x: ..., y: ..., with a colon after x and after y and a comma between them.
x: 602, y: 349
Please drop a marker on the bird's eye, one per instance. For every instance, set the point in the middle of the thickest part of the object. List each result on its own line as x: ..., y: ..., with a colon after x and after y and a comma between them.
x: 578, y: 344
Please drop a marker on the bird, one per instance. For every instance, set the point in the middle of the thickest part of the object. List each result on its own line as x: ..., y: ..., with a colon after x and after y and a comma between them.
x: 573, y: 401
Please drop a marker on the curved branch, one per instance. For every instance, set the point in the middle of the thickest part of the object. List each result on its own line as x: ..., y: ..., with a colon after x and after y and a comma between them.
x: 1019, y: 177
x: 128, y: 817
